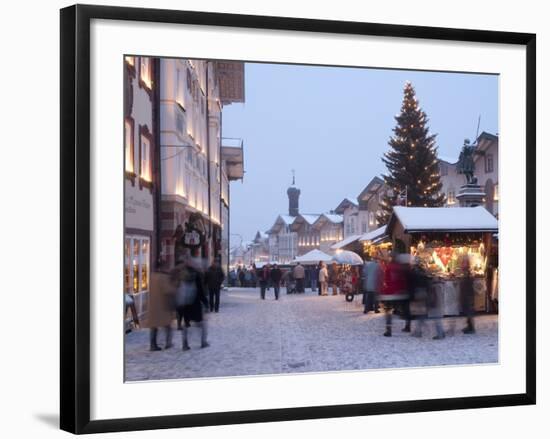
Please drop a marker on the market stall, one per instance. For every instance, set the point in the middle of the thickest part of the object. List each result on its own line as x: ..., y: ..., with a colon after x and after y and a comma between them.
x: 376, y: 243
x: 442, y: 240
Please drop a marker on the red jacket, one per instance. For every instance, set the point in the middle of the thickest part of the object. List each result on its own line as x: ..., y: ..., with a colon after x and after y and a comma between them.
x: 394, y: 286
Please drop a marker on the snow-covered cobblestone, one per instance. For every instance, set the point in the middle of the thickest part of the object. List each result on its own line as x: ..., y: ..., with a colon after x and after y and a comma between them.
x: 303, y: 333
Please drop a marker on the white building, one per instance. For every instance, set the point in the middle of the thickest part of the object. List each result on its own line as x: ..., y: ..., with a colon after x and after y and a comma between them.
x: 195, y: 174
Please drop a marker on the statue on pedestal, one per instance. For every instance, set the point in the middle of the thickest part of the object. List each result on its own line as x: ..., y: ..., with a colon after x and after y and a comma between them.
x: 466, y: 163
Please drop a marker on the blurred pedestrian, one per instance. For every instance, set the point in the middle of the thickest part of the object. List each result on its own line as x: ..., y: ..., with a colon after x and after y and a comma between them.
x: 314, y: 277
x: 394, y: 291
x: 265, y: 273
x: 333, y: 276
x: 276, y: 275
x: 299, y: 276
x: 160, y: 309
x: 214, y: 280
x: 323, y: 279
x: 189, y: 299
x: 467, y: 295
x: 240, y: 275
x: 372, y: 283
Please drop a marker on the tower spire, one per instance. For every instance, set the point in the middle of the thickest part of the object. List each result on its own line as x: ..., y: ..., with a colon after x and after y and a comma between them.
x: 293, y: 197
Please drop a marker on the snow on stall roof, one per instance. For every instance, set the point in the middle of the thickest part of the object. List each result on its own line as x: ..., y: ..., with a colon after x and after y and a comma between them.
x: 312, y: 257
x: 416, y: 219
x: 373, y: 234
x: 345, y: 242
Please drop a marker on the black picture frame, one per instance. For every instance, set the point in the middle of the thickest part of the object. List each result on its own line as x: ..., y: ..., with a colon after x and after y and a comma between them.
x: 75, y: 217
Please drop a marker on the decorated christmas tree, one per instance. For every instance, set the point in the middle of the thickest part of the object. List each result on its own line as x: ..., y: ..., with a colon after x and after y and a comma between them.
x: 413, y: 170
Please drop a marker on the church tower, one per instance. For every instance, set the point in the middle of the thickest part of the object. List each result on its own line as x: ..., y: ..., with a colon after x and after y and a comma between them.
x: 293, y: 197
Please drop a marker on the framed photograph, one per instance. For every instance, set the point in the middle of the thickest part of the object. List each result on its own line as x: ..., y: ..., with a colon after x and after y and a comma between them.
x: 272, y: 218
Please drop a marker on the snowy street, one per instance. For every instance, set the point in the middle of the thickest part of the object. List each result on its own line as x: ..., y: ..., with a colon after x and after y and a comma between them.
x: 303, y: 333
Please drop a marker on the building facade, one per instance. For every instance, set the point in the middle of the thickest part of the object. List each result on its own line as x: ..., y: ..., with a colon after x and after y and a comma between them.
x: 141, y: 178
x: 195, y: 171
x: 370, y: 200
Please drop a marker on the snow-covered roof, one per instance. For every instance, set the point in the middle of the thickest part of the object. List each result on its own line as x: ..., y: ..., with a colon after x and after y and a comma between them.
x: 444, y: 219
x: 312, y: 257
x: 333, y: 218
x: 287, y: 219
x: 310, y: 217
x: 373, y: 234
x: 344, y: 242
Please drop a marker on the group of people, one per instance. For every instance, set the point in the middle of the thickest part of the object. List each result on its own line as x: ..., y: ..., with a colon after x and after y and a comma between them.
x: 182, y: 293
x: 396, y: 284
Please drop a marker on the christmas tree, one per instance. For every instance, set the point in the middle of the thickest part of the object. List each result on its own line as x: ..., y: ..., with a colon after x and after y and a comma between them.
x: 413, y: 169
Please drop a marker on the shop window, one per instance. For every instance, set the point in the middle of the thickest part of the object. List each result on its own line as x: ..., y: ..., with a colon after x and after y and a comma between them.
x: 136, y: 264
x: 495, y: 194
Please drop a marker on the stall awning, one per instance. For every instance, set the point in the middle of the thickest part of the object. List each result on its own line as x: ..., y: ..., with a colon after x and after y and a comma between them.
x: 346, y: 241
x: 312, y: 257
x: 373, y: 235
x: 445, y: 219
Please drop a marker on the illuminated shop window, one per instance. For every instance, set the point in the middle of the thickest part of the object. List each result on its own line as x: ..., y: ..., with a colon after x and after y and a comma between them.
x: 137, y: 256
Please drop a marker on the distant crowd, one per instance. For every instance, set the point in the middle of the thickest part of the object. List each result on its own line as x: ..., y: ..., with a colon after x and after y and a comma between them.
x: 395, y: 284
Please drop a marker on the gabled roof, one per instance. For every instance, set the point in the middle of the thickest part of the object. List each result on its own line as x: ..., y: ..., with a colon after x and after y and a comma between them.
x: 328, y: 218
x: 308, y: 218
x: 370, y: 188
x: 280, y: 221
x: 344, y: 204
x: 443, y: 219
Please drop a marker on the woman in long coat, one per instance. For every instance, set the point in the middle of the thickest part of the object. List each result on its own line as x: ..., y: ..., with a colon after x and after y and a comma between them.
x: 189, y: 299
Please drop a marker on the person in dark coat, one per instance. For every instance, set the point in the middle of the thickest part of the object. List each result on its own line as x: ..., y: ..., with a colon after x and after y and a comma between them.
x: 241, y: 275
x: 263, y: 276
x: 276, y: 275
x: 189, y: 299
x: 467, y: 296
x: 214, y: 280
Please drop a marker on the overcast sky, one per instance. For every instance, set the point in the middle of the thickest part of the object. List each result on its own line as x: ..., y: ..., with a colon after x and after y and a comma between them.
x: 332, y: 125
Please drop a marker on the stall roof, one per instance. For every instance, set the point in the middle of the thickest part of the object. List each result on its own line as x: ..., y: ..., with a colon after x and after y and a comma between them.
x: 373, y: 234
x: 344, y: 242
x: 312, y: 257
x: 445, y: 219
